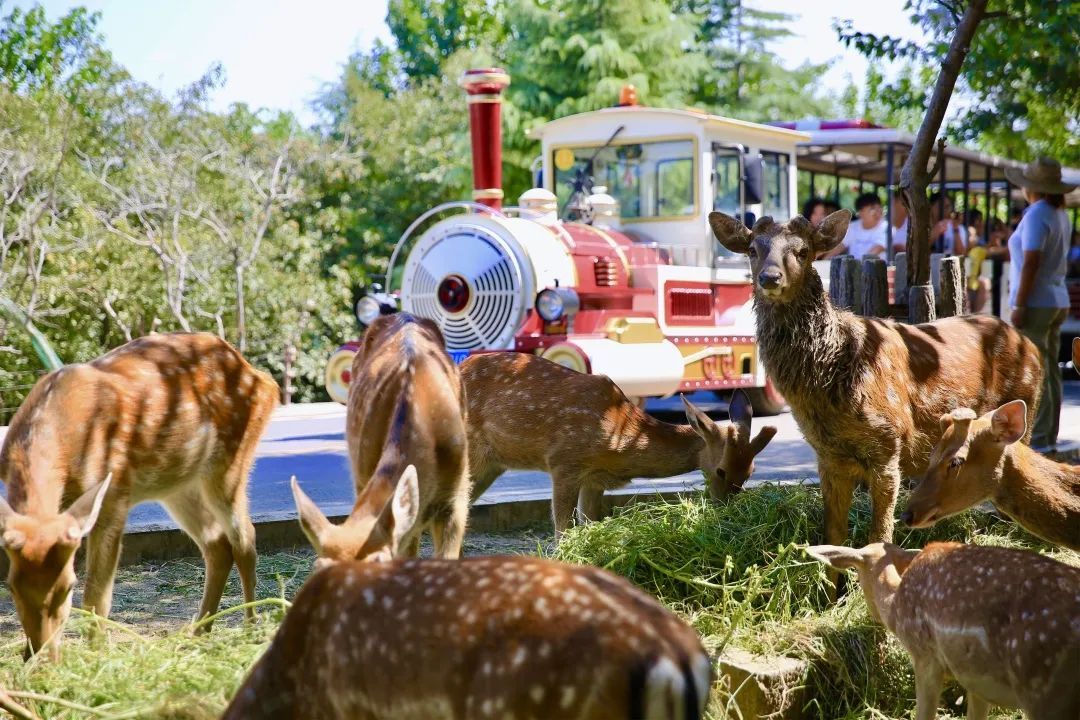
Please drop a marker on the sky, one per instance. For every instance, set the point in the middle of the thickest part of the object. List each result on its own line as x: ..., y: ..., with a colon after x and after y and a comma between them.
x: 280, y: 53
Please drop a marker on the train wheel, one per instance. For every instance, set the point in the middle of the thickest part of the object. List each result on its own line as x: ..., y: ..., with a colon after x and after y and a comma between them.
x: 339, y: 375
x: 766, y: 400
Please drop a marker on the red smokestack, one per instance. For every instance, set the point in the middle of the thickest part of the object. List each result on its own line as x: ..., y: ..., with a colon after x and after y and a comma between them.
x: 484, y: 88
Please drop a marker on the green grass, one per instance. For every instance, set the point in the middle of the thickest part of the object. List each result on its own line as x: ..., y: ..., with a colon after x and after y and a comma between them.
x: 737, y: 573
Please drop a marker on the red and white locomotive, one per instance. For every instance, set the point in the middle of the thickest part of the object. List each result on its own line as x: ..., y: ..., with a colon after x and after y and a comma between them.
x: 608, y: 266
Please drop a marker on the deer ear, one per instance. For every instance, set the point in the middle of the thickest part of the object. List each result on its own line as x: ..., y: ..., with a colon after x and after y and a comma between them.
x: 1009, y: 422
x: 85, y: 510
x: 6, y: 513
x: 740, y: 411
x: 405, y: 506
x: 762, y: 439
x: 832, y: 230
x: 312, y: 521
x: 838, y: 556
x: 11, y: 539
x: 698, y: 420
x: 731, y: 233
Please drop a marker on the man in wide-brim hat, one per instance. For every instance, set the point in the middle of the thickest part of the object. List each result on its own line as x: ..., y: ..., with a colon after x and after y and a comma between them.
x: 1038, y: 253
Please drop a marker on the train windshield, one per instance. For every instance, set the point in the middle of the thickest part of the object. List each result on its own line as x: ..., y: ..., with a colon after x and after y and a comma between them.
x: 650, y: 180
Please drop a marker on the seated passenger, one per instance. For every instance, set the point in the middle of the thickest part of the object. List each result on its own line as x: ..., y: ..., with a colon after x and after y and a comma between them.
x: 867, y: 236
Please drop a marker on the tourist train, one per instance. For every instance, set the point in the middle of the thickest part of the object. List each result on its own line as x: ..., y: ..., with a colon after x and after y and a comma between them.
x: 607, y: 265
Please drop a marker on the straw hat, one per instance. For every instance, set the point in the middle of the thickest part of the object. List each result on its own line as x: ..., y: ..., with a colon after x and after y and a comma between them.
x: 1042, y: 176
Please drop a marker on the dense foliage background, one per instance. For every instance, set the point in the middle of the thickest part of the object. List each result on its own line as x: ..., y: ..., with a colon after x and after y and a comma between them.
x: 124, y: 211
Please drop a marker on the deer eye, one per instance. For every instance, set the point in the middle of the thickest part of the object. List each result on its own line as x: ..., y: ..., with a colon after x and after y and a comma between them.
x: 752, y: 252
x: 802, y: 254
x: 956, y: 462
x: 720, y: 473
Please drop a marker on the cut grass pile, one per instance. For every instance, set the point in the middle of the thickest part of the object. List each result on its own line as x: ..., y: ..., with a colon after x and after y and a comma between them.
x: 733, y: 570
x: 736, y: 571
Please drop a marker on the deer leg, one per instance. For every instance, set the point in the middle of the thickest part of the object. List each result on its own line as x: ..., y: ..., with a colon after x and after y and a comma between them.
x: 103, y: 555
x: 590, y: 504
x: 929, y: 679
x: 884, y: 487
x: 228, y: 502
x: 448, y: 532
x: 191, y: 513
x: 481, y: 477
x: 837, y: 491
x: 564, y: 495
x: 977, y: 708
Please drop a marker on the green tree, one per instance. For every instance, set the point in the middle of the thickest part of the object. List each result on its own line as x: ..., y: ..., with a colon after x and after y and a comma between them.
x: 1020, y: 81
x: 428, y: 32
x: 742, y: 77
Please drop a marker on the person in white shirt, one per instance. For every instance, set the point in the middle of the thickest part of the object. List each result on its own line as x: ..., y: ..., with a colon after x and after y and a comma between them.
x: 866, y: 237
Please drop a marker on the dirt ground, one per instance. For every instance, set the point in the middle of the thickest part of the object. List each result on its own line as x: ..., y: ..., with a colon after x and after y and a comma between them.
x: 159, y: 597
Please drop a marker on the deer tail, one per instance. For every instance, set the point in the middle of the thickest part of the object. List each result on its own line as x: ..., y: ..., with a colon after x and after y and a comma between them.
x: 670, y: 691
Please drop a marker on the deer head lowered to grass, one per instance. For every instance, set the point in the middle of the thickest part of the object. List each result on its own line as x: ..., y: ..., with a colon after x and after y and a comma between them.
x: 528, y: 413
x: 867, y: 393
x: 1005, y: 623
x: 982, y: 458
x: 485, y: 637
x: 406, y: 407
x: 172, y: 417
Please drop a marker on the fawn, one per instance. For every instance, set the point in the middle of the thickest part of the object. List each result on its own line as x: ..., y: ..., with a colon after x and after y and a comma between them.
x: 867, y: 393
x: 1005, y: 623
x: 981, y: 458
x: 406, y: 407
x: 473, y: 638
x: 528, y: 413
x: 173, y: 417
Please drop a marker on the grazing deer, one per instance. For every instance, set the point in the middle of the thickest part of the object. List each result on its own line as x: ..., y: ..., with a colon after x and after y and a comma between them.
x: 867, y: 393
x: 406, y: 407
x: 1005, y: 623
x: 174, y: 418
x: 528, y: 413
x: 981, y: 458
x: 485, y: 637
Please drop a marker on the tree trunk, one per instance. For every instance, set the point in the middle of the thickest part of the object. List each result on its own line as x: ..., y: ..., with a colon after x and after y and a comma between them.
x: 916, y: 174
x: 875, y: 288
x: 241, y: 315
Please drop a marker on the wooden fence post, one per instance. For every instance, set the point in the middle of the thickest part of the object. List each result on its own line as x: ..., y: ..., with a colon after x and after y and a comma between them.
x: 951, y: 282
x: 844, y: 285
x: 900, y: 286
x: 875, y: 287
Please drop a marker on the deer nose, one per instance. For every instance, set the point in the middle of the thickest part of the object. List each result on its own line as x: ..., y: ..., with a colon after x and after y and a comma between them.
x: 769, y: 279
x: 907, y: 517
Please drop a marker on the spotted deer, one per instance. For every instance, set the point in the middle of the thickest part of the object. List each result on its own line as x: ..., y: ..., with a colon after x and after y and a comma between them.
x: 1004, y: 623
x: 482, y: 637
x: 528, y: 413
x: 406, y: 407
x: 982, y: 458
x: 867, y: 393
x: 174, y: 418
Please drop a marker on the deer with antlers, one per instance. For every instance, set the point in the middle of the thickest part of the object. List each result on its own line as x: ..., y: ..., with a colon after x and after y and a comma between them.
x: 1005, y: 623
x: 487, y: 637
x: 528, y: 413
x: 174, y: 418
x: 867, y: 393
x: 982, y: 458
x: 406, y: 407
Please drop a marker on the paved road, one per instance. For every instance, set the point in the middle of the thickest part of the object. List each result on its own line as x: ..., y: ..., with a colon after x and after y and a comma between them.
x: 308, y: 441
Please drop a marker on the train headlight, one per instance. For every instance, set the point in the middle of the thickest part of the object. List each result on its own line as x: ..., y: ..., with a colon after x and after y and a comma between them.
x: 557, y: 303
x: 368, y: 309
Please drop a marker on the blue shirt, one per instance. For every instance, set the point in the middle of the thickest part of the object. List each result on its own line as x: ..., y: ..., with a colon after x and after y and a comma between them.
x: 1046, y: 229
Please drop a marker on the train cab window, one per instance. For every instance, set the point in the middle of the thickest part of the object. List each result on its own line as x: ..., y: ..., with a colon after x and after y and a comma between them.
x: 726, y: 179
x: 776, y: 202
x: 648, y: 179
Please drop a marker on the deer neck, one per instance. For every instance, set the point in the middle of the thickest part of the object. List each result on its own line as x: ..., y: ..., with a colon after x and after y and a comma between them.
x: 647, y: 448
x: 805, y: 344
x: 1040, y: 494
